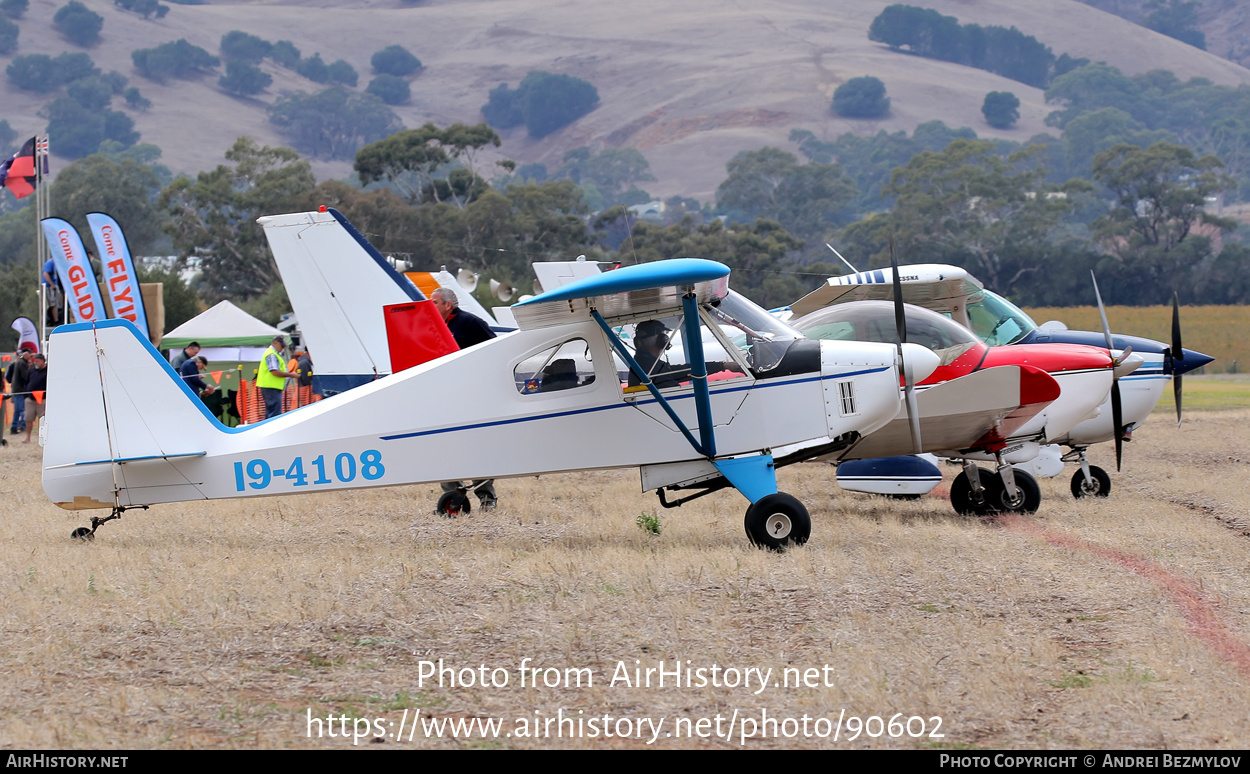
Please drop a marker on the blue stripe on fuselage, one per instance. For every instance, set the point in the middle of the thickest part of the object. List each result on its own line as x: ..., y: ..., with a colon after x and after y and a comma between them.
x: 628, y: 404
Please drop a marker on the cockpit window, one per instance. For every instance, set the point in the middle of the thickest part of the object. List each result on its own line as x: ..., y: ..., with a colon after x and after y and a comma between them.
x: 874, y: 321
x: 996, y: 321
x: 660, y: 348
x: 761, y: 338
x: 559, y: 368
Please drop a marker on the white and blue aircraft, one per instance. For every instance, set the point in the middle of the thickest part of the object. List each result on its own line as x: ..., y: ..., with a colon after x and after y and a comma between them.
x: 125, y: 432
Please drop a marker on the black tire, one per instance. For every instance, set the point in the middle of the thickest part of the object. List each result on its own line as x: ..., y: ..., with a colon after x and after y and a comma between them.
x: 963, y: 499
x: 1028, y: 500
x: 82, y: 533
x: 777, y: 521
x: 453, y: 504
x: 1101, y: 486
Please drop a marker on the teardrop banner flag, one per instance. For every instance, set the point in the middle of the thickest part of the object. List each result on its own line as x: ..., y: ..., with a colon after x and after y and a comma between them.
x: 120, y: 281
x: 27, y: 335
x: 75, y: 271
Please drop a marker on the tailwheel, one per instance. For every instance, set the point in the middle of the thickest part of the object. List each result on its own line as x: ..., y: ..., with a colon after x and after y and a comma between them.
x: 453, y: 504
x: 86, y: 534
x: 968, y: 502
x: 1099, y: 484
x: 776, y: 521
x: 1026, y: 500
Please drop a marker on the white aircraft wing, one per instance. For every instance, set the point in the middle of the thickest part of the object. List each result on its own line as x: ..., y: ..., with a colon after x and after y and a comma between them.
x: 931, y: 285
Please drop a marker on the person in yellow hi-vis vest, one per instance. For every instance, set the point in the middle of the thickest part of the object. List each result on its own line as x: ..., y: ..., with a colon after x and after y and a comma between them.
x: 271, y: 376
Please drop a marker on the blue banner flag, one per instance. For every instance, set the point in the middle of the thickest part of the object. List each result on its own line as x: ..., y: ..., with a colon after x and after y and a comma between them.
x: 74, y: 269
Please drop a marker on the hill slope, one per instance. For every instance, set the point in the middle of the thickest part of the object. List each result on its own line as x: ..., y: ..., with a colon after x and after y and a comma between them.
x: 688, y: 84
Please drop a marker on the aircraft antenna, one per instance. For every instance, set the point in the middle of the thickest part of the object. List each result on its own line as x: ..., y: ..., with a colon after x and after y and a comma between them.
x: 848, y: 263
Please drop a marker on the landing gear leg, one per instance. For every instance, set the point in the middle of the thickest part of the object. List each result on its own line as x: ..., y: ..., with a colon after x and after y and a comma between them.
x: 1090, y: 480
x: 84, y: 534
x: 969, y: 490
x: 1014, y: 491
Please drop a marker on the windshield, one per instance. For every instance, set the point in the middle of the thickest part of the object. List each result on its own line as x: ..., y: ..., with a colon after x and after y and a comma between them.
x: 874, y: 321
x: 997, y: 321
x: 762, y: 338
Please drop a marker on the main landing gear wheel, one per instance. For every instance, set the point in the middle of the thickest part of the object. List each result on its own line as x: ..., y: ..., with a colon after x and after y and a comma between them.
x: 965, y: 501
x: 83, y: 533
x: 453, y: 504
x: 776, y: 521
x: 1099, y: 487
x: 1027, y: 500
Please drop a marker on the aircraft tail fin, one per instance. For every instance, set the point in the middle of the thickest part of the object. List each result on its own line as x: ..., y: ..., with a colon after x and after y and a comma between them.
x: 104, y: 379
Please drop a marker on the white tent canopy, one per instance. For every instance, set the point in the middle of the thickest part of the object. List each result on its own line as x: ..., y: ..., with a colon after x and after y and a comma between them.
x: 230, y: 332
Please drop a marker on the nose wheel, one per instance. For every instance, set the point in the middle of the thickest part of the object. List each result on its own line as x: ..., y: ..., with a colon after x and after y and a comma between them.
x: 1098, y: 484
x: 777, y: 521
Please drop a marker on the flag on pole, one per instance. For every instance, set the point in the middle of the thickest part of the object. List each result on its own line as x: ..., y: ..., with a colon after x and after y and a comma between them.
x: 41, y: 151
x: 77, y: 276
x: 119, y: 270
x: 27, y: 336
x: 17, y: 173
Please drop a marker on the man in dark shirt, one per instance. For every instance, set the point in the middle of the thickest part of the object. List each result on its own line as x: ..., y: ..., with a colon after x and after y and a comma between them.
x: 17, y: 374
x: 36, y: 382
x: 190, y: 370
x: 188, y: 353
x: 467, y: 329
x: 651, y: 338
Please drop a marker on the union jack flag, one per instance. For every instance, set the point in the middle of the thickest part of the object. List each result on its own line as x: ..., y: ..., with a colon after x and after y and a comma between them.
x: 41, y: 150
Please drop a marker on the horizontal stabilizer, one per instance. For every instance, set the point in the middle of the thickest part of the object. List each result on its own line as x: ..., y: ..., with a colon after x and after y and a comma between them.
x: 107, y: 378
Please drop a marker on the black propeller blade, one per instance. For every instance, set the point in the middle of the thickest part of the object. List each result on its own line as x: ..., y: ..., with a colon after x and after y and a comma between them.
x: 1178, y: 353
x: 1117, y: 416
x: 900, y: 324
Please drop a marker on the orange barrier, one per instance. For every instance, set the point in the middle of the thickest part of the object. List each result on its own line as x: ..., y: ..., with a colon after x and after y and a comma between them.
x: 252, y: 403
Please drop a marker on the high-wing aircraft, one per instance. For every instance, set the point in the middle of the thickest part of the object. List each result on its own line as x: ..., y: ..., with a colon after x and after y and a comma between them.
x: 1079, y: 380
x: 953, y: 291
x: 126, y: 433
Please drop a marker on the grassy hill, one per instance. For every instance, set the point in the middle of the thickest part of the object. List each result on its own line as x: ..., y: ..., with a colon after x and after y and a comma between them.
x: 688, y: 84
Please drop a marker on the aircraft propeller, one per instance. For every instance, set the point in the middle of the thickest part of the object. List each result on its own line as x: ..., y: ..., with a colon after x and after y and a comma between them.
x: 1117, y: 412
x: 909, y: 382
x: 1178, y: 353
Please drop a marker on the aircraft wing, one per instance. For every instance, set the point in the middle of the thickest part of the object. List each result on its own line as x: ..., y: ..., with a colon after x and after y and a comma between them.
x: 931, y: 285
x: 971, y: 411
x: 645, y: 289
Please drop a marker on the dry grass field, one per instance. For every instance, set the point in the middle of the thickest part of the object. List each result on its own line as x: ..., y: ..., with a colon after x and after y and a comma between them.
x: 1218, y: 331
x: 1115, y: 623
